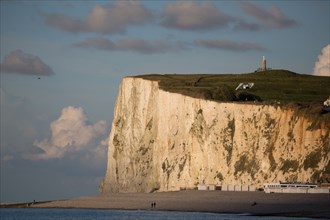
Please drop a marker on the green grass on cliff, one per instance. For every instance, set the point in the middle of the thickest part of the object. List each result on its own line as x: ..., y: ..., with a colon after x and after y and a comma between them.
x: 272, y: 85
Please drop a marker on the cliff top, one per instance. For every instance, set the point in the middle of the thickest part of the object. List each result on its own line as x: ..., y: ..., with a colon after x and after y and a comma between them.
x: 304, y: 93
x: 271, y: 86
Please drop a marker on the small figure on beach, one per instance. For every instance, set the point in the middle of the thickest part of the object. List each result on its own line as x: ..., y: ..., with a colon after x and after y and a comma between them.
x: 153, y: 205
x: 253, y: 204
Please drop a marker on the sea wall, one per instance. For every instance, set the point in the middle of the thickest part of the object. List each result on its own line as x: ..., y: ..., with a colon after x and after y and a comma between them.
x: 164, y: 141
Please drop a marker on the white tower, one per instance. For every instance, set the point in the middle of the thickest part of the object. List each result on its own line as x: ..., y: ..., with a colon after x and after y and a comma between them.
x: 263, y: 65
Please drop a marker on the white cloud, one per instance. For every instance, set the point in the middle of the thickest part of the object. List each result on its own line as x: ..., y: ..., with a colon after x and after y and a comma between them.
x: 20, y: 62
x: 190, y: 15
x: 322, y: 66
x: 137, y: 45
x: 106, y: 19
x: 271, y: 18
x: 70, y: 133
x: 221, y: 44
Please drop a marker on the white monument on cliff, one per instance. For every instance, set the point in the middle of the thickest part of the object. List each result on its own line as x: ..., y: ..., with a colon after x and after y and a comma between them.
x: 263, y: 64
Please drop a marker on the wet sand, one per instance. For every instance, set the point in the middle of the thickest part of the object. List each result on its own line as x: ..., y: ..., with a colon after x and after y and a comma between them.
x: 255, y: 203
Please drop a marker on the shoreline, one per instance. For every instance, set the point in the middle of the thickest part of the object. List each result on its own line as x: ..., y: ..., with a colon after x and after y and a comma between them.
x: 250, y: 203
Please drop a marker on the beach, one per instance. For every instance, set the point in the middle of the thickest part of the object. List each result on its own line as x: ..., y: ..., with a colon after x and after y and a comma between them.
x: 254, y: 203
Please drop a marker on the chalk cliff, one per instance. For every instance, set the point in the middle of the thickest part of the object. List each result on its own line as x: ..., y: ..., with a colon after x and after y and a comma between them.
x: 162, y: 140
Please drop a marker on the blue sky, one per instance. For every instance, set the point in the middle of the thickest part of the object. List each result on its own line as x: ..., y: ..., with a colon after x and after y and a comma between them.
x: 62, y: 63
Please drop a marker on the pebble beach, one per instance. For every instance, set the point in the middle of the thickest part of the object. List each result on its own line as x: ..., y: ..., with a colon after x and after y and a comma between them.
x: 254, y: 203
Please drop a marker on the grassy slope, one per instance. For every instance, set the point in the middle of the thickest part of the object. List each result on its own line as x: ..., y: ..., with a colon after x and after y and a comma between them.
x: 305, y: 93
x: 271, y: 85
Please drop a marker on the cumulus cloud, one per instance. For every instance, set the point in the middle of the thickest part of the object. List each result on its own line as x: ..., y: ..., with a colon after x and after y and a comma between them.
x: 271, y: 18
x: 20, y: 62
x: 137, y: 45
x: 229, y: 45
x: 106, y: 19
x: 191, y: 15
x: 322, y: 66
x: 69, y: 133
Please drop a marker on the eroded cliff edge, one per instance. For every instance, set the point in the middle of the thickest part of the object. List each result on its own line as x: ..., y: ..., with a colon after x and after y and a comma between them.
x: 162, y: 140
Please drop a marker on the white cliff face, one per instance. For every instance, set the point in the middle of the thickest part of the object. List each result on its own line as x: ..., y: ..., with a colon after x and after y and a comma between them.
x: 162, y: 140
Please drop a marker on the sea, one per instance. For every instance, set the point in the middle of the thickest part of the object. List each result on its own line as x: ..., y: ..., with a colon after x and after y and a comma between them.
x: 84, y: 214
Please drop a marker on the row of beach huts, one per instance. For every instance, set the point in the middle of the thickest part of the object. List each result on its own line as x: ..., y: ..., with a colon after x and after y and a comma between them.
x: 288, y: 187
x: 226, y: 187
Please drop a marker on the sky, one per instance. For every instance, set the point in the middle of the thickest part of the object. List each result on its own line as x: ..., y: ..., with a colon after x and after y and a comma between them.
x: 62, y: 63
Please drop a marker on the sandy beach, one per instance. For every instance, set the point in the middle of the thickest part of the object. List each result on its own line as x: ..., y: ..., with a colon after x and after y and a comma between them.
x: 255, y: 203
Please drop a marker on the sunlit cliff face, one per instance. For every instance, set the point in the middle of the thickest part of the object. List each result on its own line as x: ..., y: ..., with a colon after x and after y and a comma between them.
x: 161, y: 140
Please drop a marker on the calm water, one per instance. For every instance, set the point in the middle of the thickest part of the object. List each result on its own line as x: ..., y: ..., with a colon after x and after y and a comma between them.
x: 84, y: 214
